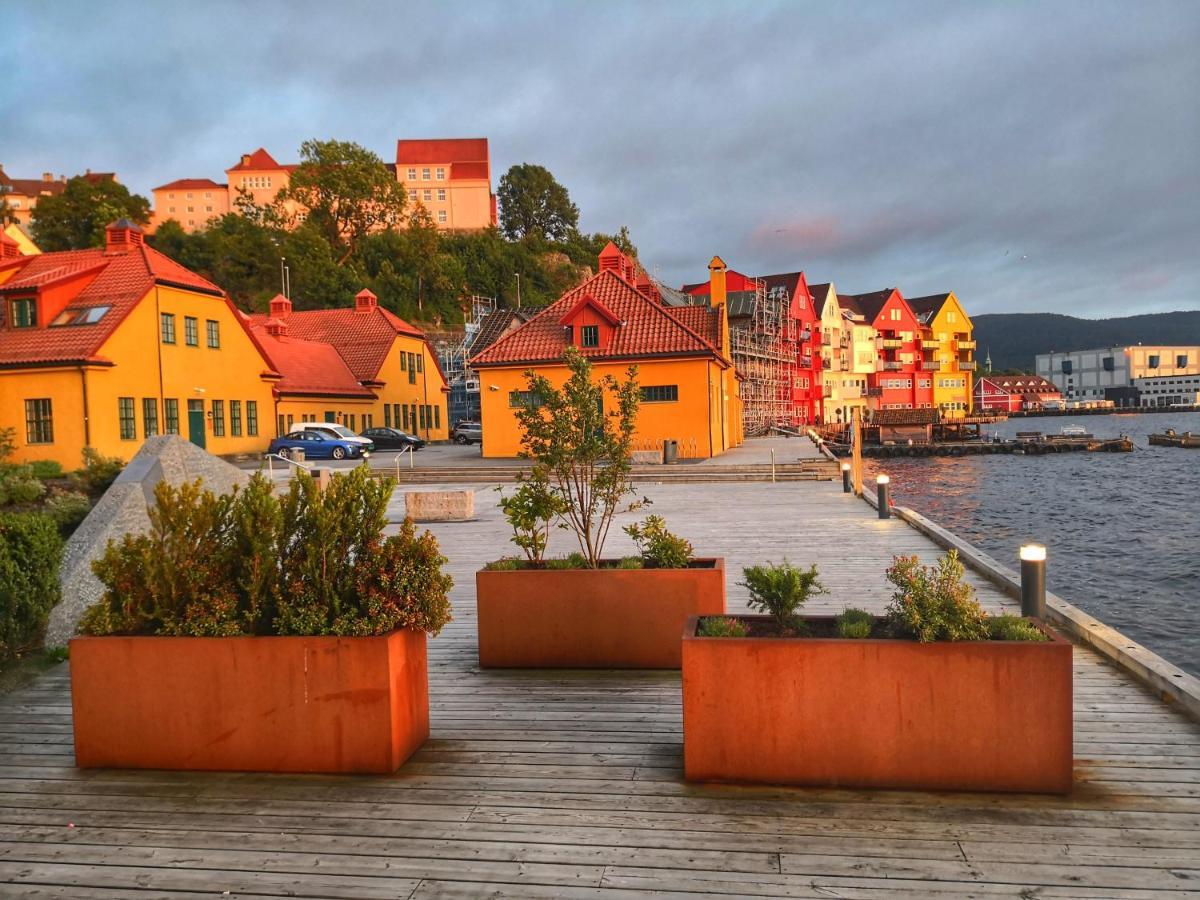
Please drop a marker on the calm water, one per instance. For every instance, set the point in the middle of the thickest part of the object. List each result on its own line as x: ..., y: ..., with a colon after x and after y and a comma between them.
x: 1121, y: 529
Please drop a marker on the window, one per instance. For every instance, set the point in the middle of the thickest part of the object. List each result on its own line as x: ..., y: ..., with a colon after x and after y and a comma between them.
x: 519, y: 399
x: 412, y: 195
x: 127, y: 418
x: 1152, y: 362
x: 412, y: 369
x: 387, y: 415
x: 405, y: 426
x: 252, y: 418
x: 437, y: 417
x: 168, y: 333
x: 214, y: 333
x: 661, y: 393
x: 171, y: 416
x: 441, y: 174
x: 425, y: 174
x: 330, y: 415
x: 403, y: 361
x: 441, y: 193
x: 39, y: 421
x: 420, y: 362
x: 1181, y: 361
x: 24, y: 313
x: 280, y: 426
x: 351, y: 417
x: 423, y: 410
x: 441, y: 217
x: 191, y: 331
x: 589, y: 336
x: 396, y: 415
x: 427, y: 194
x: 235, y: 418
x: 894, y: 314
x: 951, y: 317
x: 149, y: 416
x: 412, y: 175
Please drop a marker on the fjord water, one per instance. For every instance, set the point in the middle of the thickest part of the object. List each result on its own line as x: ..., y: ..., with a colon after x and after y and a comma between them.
x: 1122, y: 530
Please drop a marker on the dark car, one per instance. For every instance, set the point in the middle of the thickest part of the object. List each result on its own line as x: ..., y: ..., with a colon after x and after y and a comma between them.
x: 316, y: 446
x: 468, y: 433
x: 393, y: 439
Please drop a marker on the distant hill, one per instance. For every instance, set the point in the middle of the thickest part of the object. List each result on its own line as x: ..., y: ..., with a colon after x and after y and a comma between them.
x: 1015, y: 338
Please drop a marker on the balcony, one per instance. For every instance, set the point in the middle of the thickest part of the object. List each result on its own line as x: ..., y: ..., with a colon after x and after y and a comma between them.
x: 827, y: 391
x: 965, y: 345
x: 931, y: 365
x: 931, y: 341
x: 804, y: 335
x: 888, y: 365
x: 968, y: 366
x: 874, y: 391
x: 805, y: 362
x: 889, y: 343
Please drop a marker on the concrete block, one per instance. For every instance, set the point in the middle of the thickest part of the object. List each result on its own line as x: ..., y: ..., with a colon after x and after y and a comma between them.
x: 647, y: 457
x: 440, y: 506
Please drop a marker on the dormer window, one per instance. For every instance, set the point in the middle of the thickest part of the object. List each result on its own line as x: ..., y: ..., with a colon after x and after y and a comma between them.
x: 23, y: 312
x: 589, y: 336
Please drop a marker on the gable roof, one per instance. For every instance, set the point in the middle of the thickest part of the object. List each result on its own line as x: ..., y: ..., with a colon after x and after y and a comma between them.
x: 1028, y: 384
x: 186, y: 184
x: 868, y: 305
x: 820, y: 295
x: 494, y: 325
x: 258, y: 160
x: 442, y: 150
x: 926, y: 308
x: 647, y: 329
x: 307, y: 367
x: 119, y: 281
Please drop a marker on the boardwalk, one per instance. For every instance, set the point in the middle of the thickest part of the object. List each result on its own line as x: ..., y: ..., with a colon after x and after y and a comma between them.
x: 568, y: 784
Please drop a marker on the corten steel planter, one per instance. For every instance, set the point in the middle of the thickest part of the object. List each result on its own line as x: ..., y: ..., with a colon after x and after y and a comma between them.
x: 978, y: 715
x: 251, y: 704
x: 593, y: 618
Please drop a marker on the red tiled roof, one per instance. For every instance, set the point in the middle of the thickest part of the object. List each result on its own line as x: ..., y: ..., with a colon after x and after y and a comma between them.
x: 442, y: 150
x: 704, y: 320
x: 260, y: 159
x: 187, y: 184
x: 120, y: 281
x: 307, y: 367
x: 33, y: 187
x: 460, y: 171
x: 648, y: 329
x: 1028, y: 384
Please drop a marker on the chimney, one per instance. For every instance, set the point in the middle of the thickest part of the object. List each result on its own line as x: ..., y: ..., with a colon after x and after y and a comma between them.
x: 365, y: 301
x: 47, y: 176
x: 646, y: 287
x: 716, y: 282
x: 281, y: 307
x: 122, y: 236
x: 612, y: 259
x: 245, y: 159
x: 277, y: 327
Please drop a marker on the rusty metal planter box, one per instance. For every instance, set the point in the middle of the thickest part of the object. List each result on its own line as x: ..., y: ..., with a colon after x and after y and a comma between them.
x: 593, y: 618
x: 980, y: 715
x: 252, y: 704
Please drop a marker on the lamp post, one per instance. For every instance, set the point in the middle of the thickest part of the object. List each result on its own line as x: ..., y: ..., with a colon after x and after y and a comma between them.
x: 518, y: 274
x: 1033, y: 581
x: 882, y: 488
x: 846, y: 488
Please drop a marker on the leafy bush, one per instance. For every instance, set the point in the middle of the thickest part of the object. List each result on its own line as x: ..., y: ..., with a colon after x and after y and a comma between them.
x: 312, y: 562
x: 854, y: 623
x: 530, y: 510
x: 720, y: 626
x: 30, y: 553
x: 934, y: 603
x: 44, y: 469
x: 67, y: 509
x: 570, y: 561
x: 1013, y: 628
x: 630, y: 562
x: 18, y: 485
x: 585, y: 452
x: 779, y: 590
x: 504, y: 564
x: 659, y: 547
x: 98, y: 472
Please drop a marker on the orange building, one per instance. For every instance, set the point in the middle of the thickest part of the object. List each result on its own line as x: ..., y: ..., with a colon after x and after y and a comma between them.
x: 191, y: 202
x: 617, y: 318
x: 452, y: 178
x: 22, y: 194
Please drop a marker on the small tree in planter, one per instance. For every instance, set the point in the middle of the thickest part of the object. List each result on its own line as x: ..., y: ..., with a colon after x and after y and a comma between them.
x: 779, y: 590
x: 259, y: 633
x: 530, y: 511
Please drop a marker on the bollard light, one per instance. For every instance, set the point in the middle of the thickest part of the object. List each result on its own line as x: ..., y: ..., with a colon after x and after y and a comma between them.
x: 1033, y: 581
x: 846, y: 478
x: 882, y: 488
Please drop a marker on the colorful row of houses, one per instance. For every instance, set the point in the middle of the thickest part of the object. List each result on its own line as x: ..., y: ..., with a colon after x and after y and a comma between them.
x: 108, y: 346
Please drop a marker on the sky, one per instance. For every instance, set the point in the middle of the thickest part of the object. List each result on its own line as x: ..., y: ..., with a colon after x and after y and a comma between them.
x: 1030, y: 156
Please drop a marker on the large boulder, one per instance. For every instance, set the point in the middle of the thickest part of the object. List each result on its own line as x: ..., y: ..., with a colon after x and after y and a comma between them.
x: 123, y: 510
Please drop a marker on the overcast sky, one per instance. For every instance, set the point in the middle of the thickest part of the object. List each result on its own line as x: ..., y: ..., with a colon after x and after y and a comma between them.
x: 1028, y: 156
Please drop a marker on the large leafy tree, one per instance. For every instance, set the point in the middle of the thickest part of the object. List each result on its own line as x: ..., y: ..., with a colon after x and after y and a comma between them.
x: 76, y: 218
x: 534, y: 204
x: 347, y: 193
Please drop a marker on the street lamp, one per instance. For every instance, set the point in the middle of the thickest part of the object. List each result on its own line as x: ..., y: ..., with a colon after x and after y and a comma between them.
x: 1033, y: 581
x: 882, y: 489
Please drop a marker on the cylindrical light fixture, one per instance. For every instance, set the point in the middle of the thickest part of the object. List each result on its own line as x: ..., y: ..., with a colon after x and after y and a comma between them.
x: 882, y: 488
x: 1033, y: 581
x: 846, y: 478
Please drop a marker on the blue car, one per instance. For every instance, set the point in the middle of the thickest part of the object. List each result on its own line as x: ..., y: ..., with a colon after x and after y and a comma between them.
x: 316, y: 446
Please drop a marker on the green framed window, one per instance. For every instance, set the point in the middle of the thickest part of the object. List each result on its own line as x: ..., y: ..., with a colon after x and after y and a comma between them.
x: 437, y: 417
x: 660, y: 393
x: 213, y: 328
x: 423, y: 410
x: 412, y: 369
x: 191, y: 331
x: 218, y: 417
x: 168, y: 332
x: 589, y: 336
x: 235, y: 418
x: 24, y: 312
x: 170, y: 416
x: 39, y: 421
x: 127, y: 418
x: 252, y: 418
x: 150, y: 416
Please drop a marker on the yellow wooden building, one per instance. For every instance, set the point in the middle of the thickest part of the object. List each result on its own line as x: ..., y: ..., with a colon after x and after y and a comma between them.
x: 949, y: 333
x: 617, y: 319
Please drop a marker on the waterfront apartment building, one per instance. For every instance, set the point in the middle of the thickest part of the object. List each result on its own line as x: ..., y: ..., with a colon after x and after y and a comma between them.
x: 904, y: 365
x: 848, y: 356
x: 1168, y: 390
x: 1109, y: 373
x: 22, y: 194
x: 947, y: 338
x: 450, y: 177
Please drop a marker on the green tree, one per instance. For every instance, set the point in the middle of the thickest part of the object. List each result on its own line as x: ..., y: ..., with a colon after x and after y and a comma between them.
x: 76, y: 218
x: 534, y: 204
x: 347, y: 192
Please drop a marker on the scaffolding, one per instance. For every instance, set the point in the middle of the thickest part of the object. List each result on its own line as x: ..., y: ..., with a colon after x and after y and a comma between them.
x: 454, y: 357
x: 764, y: 346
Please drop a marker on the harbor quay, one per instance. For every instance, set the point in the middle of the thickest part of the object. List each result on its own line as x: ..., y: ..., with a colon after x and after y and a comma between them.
x: 569, y: 783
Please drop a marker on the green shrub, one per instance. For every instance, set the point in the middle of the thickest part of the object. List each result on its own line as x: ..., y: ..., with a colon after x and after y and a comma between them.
x: 854, y: 623
x: 934, y: 603
x: 67, y: 509
x: 30, y: 553
x: 659, y: 547
x: 98, y: 472
x: 504, y: 564
x: 530, y: 511
x: 720, y: 626
x: 18, y: 485
x: 1013, y: 628
x: 570, y: 561
x: 630, y: 562
x: 779, y: 590
x: 44, y: 469
x: 312, y: 562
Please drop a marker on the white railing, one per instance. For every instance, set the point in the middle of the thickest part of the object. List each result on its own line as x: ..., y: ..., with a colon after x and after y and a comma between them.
x: 411, y: 464
x: 271, y: 468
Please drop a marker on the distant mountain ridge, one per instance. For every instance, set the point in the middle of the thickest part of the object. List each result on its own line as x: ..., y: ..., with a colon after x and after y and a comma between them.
x: 1015, y: 338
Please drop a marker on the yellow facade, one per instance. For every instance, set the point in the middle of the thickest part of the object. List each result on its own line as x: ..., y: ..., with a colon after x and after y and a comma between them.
x: 24, y: 242
x: 706, y: 419
x: 955, y: 352
x: 845, y: 387
x: 224, y: 385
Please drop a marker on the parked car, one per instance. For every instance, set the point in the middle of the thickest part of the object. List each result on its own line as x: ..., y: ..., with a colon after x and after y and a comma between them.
x: 392, y: 439
x: 468, y: 433
x: 335, y: 431
x: 317, y: 445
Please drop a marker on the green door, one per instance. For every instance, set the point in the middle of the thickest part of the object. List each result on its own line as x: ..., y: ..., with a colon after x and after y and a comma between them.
x: 196, y: 422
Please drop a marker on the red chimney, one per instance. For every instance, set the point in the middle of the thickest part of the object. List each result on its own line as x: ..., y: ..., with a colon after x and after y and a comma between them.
x: 646, y: 287
x: 365, y: 301
x: 122, y: 236
x: 276, y: 327
x: 281, y: 307
x: 611, y: 258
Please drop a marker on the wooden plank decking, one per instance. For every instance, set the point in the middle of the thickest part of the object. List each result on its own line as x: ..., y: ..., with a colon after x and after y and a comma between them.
x: 568, y: 784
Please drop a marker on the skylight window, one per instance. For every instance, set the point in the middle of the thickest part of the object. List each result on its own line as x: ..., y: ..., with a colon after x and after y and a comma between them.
x: 88, y: 316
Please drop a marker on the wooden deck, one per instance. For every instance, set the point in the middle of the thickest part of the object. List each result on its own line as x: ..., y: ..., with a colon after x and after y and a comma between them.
x: 568, y: 784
